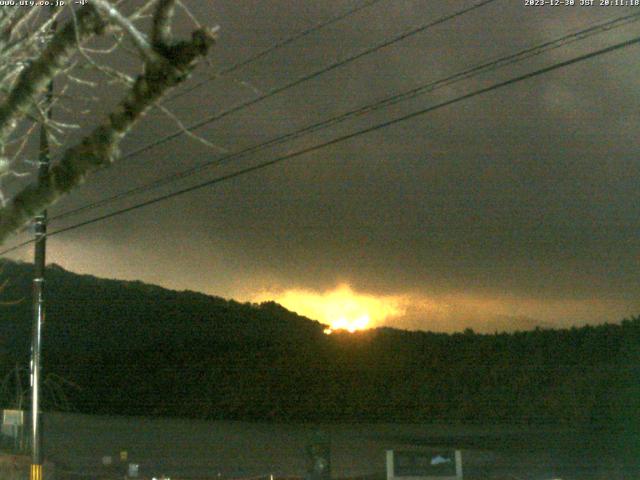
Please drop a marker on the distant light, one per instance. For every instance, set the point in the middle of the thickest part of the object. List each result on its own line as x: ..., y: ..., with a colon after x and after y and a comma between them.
x: 351, y: 324
x: 328, y: 331
x: 340, y: 308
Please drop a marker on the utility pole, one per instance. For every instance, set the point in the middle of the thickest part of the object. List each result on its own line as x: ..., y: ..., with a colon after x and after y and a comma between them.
x: 40, y: 223
x: 38, y: 315
x: 38, y: 312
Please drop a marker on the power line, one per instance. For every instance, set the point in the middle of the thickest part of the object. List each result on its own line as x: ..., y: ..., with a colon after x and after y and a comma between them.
x: 412, y: 93
x: 349, y: 136
x: 277, y: 46
x: 291, y: 85
x: 307, y: 77
x: 17, y: 247
x: 268, y: 50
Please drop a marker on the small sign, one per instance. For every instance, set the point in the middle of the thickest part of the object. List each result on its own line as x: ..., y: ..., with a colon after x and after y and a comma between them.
x: 133, y: 470
x: 107, y: 460
x: 414, y: 464
x: 123, y: 455
x: 13, y: 417
x: 424, y: 465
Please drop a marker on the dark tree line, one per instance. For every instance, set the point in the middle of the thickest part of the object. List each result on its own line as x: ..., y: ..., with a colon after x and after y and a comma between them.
x: 139, y: 349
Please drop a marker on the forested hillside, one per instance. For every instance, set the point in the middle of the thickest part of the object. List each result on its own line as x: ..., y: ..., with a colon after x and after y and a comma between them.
x: 133, y: 348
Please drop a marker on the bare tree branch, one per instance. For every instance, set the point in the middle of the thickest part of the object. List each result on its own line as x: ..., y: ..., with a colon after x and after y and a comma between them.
x: 170, y: 65
x: 138, y: 38
x: 161, y: 29
x: 188, y: 132
x: 34, y: 79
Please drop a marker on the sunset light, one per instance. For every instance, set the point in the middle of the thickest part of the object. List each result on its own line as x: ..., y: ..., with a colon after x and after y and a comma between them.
x: 340, y: 308
x: 319, y: 240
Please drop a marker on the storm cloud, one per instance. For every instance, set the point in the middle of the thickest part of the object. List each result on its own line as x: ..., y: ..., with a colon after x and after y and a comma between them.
x: 512, y: 209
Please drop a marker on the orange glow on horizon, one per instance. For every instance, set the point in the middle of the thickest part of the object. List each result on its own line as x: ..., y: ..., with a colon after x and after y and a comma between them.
x: 340, y: 308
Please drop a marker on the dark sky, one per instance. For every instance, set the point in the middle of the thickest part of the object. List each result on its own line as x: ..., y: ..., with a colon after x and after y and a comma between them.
x: 512, y: 209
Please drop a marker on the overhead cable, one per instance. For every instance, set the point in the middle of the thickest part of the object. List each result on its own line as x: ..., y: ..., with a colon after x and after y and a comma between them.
x: 388, y: 101
x: 388, y: 123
